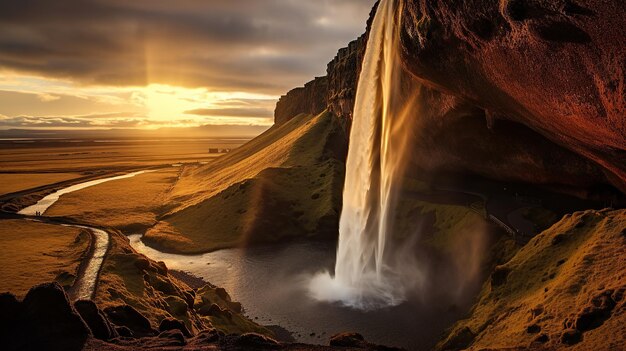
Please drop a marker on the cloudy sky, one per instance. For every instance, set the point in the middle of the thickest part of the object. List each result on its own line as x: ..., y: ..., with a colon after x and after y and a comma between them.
x: 152, y: 63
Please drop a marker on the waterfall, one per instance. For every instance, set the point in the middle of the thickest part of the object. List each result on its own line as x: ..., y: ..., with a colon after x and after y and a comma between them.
x: 372, y: 271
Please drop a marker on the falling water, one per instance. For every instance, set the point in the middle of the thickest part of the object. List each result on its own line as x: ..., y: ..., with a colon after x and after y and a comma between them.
x: 372, y: 270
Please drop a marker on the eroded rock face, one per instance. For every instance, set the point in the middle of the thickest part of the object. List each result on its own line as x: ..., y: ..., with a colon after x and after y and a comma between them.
x: 310, y: 99
x: 336, y: 91
x: 554, y: 66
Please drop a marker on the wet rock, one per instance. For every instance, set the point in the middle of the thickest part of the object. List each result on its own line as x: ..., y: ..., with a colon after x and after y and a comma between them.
x: 222, y: 294
x: 235, y: 307
x: 49, y: 321
x: 127, y: 316
x: 95, y: 319
x: 571, y: 336
x: 174, y: 324
x: 348, y: 340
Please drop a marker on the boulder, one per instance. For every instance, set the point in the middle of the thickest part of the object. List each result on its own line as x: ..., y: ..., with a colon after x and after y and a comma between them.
x: 95, y: 319
x: 48, y: 321
x: 127, y: 316
x: 11, y: 309
x: 174, y: 324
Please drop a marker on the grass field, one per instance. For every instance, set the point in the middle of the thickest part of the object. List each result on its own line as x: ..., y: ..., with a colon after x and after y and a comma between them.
x: 33, y: 253
x: 90, y: 155
x: 126, y: 204
x: 286, y: 183
x: 13, y: 182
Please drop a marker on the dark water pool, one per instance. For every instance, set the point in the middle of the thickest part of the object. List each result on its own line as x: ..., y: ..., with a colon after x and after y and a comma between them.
x: 271, y: 282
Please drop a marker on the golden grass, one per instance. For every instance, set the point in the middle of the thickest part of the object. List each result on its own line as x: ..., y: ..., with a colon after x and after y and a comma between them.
x: 127, y: 204
x: 33, y: 253
x: 90, y: 156
x: 285, y: 183
x: 552, y: 280
x: 13, y: 182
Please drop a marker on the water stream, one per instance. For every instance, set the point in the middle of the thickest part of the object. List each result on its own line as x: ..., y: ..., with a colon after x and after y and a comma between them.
x: 42, y: 205
x: 85, y: 284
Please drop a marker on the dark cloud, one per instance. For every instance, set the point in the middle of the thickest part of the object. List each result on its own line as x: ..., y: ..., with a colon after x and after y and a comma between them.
x: 251, y: 45
x: 233, y: 112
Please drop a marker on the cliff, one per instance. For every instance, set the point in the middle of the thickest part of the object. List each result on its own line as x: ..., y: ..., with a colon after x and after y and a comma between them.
x: 515, y: 91
x: 556, y: 67
x: 310, y: 99
x: 335, y: 91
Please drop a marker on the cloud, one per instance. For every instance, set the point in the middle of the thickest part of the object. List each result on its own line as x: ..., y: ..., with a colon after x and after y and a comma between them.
x: 48, y: 97
x: 232, y: 112
x: 265, y: 46
x: 71, y: 122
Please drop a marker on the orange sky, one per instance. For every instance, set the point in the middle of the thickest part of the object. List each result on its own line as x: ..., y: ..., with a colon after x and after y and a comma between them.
x: 155, y: 63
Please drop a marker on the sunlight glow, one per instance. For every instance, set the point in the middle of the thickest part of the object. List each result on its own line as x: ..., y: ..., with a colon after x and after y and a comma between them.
x: 148, y: 107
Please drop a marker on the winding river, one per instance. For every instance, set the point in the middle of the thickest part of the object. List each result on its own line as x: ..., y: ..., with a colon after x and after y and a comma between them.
x: 42, y: 205
x: 85, y: 284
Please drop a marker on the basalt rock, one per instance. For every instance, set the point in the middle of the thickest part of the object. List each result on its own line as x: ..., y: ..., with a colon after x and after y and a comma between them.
x: 556, y: 67
x: 515, y: 91
x: 95, y: 319
x: 127, y: 316
x: 44, y: 320
x: 336, y: 91
x: 174, y: 324
x: 310, y: 99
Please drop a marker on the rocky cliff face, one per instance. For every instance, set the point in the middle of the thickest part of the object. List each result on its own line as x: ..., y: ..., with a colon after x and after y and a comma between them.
x: 554, y: 66
x: 310, y: 99
x: 529, y: 91
x: 335, y: 91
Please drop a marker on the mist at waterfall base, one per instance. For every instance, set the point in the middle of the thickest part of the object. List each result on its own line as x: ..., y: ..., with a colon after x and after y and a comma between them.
x: 377, y: 266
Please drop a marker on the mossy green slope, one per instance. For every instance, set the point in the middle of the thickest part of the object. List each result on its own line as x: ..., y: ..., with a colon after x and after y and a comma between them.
x: 286, y: 183
x: 565, y: 288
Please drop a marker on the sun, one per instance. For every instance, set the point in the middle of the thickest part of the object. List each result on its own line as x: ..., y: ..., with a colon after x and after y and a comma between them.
x: 167, y: 103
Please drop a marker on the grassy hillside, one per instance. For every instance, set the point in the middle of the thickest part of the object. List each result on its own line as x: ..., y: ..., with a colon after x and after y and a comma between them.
x: 129, y: 278
x: 565, y: 287
x: 285, y: 183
